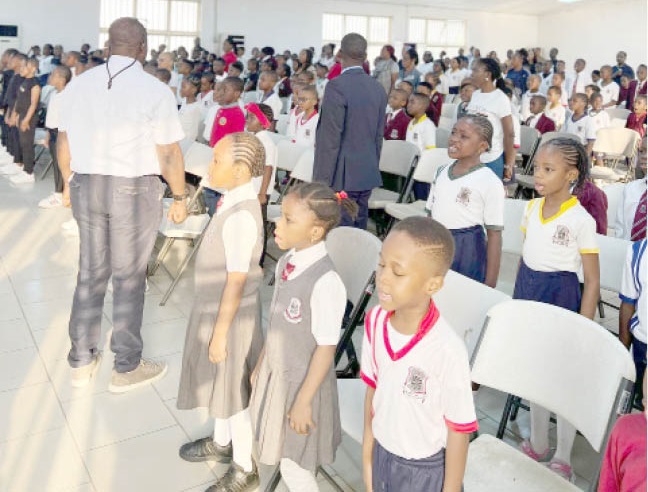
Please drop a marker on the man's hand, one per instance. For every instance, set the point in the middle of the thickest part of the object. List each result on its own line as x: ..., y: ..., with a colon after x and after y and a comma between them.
x: 24, y: 125
x: 66, y: 195
x: 178, y: 212
x: 263, y: 198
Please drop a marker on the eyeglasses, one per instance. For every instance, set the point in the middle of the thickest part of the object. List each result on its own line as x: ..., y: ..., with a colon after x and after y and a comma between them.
x: 304, y: 99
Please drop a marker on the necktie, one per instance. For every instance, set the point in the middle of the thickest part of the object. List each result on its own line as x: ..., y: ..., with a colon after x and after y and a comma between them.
x: 639, y: 225
x: 288, y: 269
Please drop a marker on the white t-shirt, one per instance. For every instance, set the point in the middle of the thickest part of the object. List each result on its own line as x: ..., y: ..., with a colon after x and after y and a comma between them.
x: 600, y: 119
x: 628, y: 207
x: 45, y: 64
x: 115, y: 131
x: 557, y: 243
x: 305, y: 129
x: 273, y: 101
x: 190, y: 117
x: 546, y: 83
x: 422, y: 388
x: 328, y: 300
x: 609, y: 92
x: 454, y: 78
x: 525, y: 104
x: 494, y: 106
x: 239, y: 230
x: 421, y: 133
x: 556, y: 114
x: 583, y: 128
x: 634, y: 279
x: 476, y: 198
x: 206, y: 102
x: 271, y: 160
x: 53, y: 111
x: 210, y: 117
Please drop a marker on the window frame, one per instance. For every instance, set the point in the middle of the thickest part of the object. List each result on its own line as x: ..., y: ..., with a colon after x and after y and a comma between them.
x: 371, y: 45
x: 426, y: 46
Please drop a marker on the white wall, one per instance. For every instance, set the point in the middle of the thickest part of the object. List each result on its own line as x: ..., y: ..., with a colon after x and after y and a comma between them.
x: 596, y: 33
x: 67, y: 22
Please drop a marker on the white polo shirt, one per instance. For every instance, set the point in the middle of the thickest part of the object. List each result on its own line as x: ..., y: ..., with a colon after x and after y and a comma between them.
x: 557, y: 243
x: 422, y: 387
x: 493, y: 105
x: 476, y: 198
x: 239, y: 230
x: 583, y: 128
x: 305, y: 129
x: 634, y: 279
x: 556, y: 114
x: 294, y: 116
x: 610, y: 92
x: 421, y: 133
x: 627, y: 209
x: 525, y: 104
x: 115, y: 131
x: 600, y: 119
x: 53, y: 111
x: 273, y: 101
x: 328, y: 299
x: 271, y: 160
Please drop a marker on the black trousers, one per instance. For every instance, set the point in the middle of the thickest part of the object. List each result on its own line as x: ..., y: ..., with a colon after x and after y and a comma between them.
x: 58, y: 177
x: 26, y: 141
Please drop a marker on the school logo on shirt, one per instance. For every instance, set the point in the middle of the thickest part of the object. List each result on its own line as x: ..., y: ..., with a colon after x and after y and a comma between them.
x: 562, y: 236
x: 463, y: 197
x: 394, y: 133
x: 293, y: 313
x: 415, y: 384
x: 307, y: 133
x: 222, y: 121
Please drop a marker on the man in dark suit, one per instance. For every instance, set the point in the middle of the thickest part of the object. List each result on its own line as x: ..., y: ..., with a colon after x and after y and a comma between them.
x: 350, y: 130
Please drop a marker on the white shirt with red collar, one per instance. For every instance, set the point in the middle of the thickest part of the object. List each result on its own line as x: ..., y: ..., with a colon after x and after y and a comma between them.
x: 422, y: 384
x: 305, y: 128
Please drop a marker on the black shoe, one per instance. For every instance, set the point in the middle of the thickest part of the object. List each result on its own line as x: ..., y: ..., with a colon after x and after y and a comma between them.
x: 237, y: 480
x: 205, y: 449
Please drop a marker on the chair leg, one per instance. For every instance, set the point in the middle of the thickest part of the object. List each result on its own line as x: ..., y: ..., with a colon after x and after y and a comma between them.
x: 505, y: 416
x: 516, y: 407
x: 168, y: 242
x: 601, y: 309
x: 48, y: 166
x: 274, y: 481
x: 181, y: 270
x: 329, y: 479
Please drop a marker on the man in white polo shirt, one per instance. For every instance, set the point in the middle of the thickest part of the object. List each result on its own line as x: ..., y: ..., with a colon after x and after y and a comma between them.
x: 118, y: 130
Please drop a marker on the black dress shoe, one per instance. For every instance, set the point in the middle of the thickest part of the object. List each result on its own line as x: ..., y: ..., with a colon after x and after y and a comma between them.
x: 236, y: 479
x: 206, y: 449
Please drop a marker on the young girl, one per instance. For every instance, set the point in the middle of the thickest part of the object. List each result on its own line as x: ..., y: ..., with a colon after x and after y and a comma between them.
x: 190, y: 110
x: 467, y: 197
x: 560, y: 236
x: 555, y: 110
x: 306, y: 122
x: 224, y: 337
x: 295, y: 376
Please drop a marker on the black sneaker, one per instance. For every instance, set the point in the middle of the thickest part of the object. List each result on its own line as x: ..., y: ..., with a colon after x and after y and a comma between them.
x: 236, y: 479
x: 206, y: 449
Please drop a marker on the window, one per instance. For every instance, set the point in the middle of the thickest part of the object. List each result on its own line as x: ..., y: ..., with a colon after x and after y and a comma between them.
x: 437, y: 35
x: 376, y: 30
x: 171, y: 22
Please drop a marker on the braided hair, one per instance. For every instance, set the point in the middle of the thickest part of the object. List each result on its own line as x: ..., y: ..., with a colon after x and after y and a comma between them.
x: 482, y: 126
x: 247, y: 150
x: 573, y: 153
x: 326, y: 204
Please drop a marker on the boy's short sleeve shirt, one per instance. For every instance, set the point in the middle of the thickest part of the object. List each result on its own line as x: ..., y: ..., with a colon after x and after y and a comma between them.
x: 632, y: 288
x: 422, y: 390
x: 422, y: 133
x: 583, y: 128
x: 53, y: 110
x: 610, y: 92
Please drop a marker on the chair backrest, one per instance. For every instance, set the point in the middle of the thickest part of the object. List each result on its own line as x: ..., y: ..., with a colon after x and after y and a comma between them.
x: 616, y: 141
x: 198, y: 158
x: 429, y: 163
x: 449, y: 110
x: 614, y: 194
x: 250, y: 97
x: 288, y: 154
x: 397, y: 157
x: 451, y: 301
x: 277, y: 137
x: 284, y: 105
x: 442, y: 136
x: 355, y: 265
x: 612, y: 257
x: 303, y: 170
x: 282, y: 123
x: 529, y: 138
x: 558, y: 359
x: 617, y: 123
x: 446, y: 123
x: 618, y: 113
x: 512, y: 237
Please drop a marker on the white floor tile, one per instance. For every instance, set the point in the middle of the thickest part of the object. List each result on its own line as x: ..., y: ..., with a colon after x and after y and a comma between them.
x: 153, y: 312
x: 14, y: 335
x: 21, y: 368
x: 9, y: 307
x: 168, y: 387
x: 196, y: 423
x: 164, y: 338
x: 46, y: 289
x: 48, y: 314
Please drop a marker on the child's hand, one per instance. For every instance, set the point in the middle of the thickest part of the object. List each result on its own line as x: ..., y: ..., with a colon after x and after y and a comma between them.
x: 301, y: 417
x: 217, y: 349
x: 263, y: 198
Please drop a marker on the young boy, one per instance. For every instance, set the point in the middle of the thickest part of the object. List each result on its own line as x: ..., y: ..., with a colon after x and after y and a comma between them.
x: 252, y: 75
x: 267, y: 95
x: 397, y: 120
x: 533, y: 89
x: 555, y: 110
x: 322, y: 71
x: 637, y: 119
x: 600, y: 118
x: 59, y: 78
x: 235, y: 69
x: 609, y: 88
x: 538, y: 120
x: 303, y: 133
x: 419, y: 410
x: 422, y: 133
x: 24, y: 117
x: 579, y: 123
x: 436, y: 101
x: 465, y: 94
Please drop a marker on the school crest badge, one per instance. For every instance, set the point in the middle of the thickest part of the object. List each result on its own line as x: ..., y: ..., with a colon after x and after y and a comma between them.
x: 463, y: 197
x: 222, y: 121
x: 308, y: 133
x: 562, y: 236
x: 293, y: 313
x: 394, y: 134
x: 415, y: 384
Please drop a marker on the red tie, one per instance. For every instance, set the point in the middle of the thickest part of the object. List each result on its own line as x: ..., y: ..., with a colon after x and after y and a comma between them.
x: 288, y: 269
x: 639, y: 225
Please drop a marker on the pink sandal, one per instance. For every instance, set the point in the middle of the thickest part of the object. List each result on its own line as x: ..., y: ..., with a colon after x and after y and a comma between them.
x: 562, y: 469
x: 527, y: 449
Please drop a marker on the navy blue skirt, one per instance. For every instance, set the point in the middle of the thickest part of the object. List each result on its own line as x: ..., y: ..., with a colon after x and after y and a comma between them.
x: 558, y: 288
x: 392, y: 473
x: 470, y: 252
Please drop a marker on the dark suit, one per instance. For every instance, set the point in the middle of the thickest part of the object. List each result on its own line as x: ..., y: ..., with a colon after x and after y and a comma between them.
x: 349, y: 138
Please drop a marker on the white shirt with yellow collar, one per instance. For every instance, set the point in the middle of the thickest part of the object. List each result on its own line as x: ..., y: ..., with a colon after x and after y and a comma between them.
x: 422, y: 133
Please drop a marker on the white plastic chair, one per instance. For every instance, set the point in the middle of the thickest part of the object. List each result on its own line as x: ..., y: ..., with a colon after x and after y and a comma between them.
x: 548, y: 359
x: 618, y: 113
x: 512, y: 236
x: 425, y: 172
x: 282, y: 123
x: 449, y: 110
x: 302, y: 172
x: 445, y: 123
x: 250, y: 97
x: 614, y: 194
x: 617, y: 144
x: 39, y: 142
x: 398, y: 158
x: 442, y: 136
x: 612, y: 257
x: 529, y: 139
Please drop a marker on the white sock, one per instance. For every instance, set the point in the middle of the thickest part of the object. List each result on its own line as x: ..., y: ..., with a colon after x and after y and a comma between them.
x: 222, y: 435
x: 566, y: 435
x: 242, y: 439
x: 296, y: 478
x: 539, y: 428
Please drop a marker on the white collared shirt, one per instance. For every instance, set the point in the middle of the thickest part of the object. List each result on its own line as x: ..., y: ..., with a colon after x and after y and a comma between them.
x: 421, y: 133
x: 556, y: 114
x: 53, y: 111
x: 583, y: 128
x: 633, y: 288
x: 305, y: 129
x: 628, y: 208
x: 240, y: 233
x: 328, y: 300
x: 271, y: 161
x: 273, y: 101
x: 115, y: 131
x: 609, y: 92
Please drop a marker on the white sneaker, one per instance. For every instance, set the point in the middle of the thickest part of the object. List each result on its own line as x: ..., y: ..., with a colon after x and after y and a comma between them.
x: 54, y: 200
x: 10, y: 169
x: 22, y: 178
x: 81, y: 376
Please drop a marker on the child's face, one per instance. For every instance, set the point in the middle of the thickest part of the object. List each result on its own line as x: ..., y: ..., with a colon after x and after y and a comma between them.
x: 466, y: 92
x: 187, y: 89
x: 281, y: 71
x: 405, y: 277
x: 535, y: 106
x: 556, y: 80
x: 297, y: 227
x: 321, y: 71
x: 218, y: 67
x: 416, y: 106
x: 641, y: 73
x: 551, y: 173
x: 553, y: 97
x: 306, y: 101
x: 252, y: 123
x: 230, y: 94
x: 265, y: 84
x: 218, y: 94
x: 465, y: 141
x: 26, y: 70
x: 396, y: 100
x: 588, y: 92
x: 625, y: 81
x: 251, y: 66
x: 304, y: 78
x: 533, y: 84
x: 606, y: 74
x: 205, y: 84
x: 233, y: 72
x: 576, y: 104
x: 423, y: 90
x: 595, y: 77
x: 597, y: 103
x: 223, y: 172
x: 639, y: 105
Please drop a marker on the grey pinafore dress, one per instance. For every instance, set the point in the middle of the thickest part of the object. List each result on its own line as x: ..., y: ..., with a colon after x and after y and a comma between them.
x: 223, y: 388
x: 289, y: 347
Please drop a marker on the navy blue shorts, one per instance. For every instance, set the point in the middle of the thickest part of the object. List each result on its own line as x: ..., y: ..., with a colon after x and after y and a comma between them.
x: 392, y: 473
x: 558, y: 288
x: 470, y: 252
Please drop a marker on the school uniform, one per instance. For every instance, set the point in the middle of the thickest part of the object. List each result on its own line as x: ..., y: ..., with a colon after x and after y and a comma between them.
x: 229, y: 119
x: 232, y: 243
x: 633, y: 194
x: 609, y: 92
x: 546, y: 82
x: 454, y: 80
x: 51, y: 124
x: 600, y: 119
x: 6, y: 79
x: 306, y: 312
x: 190, y: 118
x: 577, y: 81
x: 582, y: 128
x: 466, y: 205
x: 422, y: 389
x: 396, y: 124
x: 434, y: 108
x: 320, y: 85
x: 525, y: 104
x: 26, y: 138
x: 283, y: 88
x: 637, y: 123
x: 305, y: 128
x: 206, y: 101
x: 272, y: 100
x: 551, y: 255
x: 623, y: 468
x: 519, y: 78
x: 13, y: 133
x: 210, y: 117
x: 557, y: 115
x: 421, y: 133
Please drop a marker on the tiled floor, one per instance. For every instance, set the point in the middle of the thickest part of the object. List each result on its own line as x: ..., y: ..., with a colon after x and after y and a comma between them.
x: 56, y: 438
